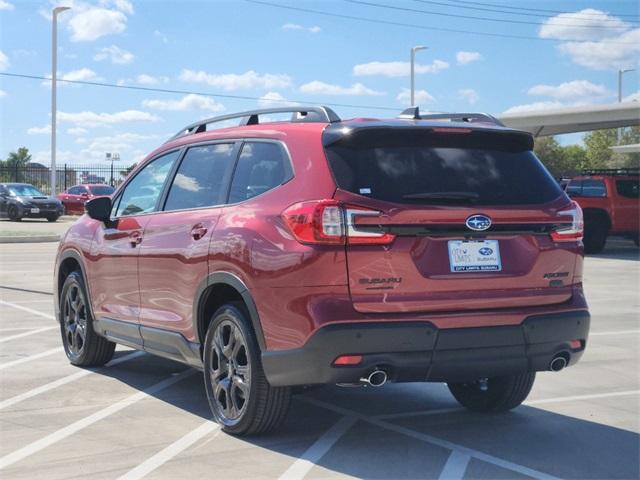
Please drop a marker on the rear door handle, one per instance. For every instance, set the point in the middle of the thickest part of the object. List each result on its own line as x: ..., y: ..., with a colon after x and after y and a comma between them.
x: 135, y: 238
x: 198, y: 231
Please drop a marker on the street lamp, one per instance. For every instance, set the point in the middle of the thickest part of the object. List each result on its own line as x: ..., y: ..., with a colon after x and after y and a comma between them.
x: 115, y: 157
x: 413, y: 72
x: 620, y: 74
x: 54, y: 74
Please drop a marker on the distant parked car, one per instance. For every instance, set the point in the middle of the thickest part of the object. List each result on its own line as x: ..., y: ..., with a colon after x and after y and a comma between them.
x: 75, y: 197
x: 22, y: 200
x: 610, y: 201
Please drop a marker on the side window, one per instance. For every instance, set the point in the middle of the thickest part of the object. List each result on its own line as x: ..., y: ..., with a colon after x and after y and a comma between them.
x: 74, y: 191
x: 200, y: 179
x: 574, y: 187
x: 593, y: 188
x: 261, y: 167
x: 142, y: 192
x: 628, y: 188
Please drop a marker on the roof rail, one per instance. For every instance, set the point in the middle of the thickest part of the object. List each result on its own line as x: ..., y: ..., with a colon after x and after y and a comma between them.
x: 413, y: 113
x: 251, y: 117
x: 611, y: 171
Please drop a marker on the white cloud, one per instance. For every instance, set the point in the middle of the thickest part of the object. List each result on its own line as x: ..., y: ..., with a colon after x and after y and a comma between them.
x: 464, y: 58
x: 232, y: 81
x: 44, y: 130
x: 535, y: 106
x: 77, y: 131
x: 634, y: 97
x: 82, y: 74
x: 421, y: 96
x: 296, y: 26
x: 3, y: 93
x: 161, y: 36
x: 92, y: 119
x: 321, y: 88
x: 116, y: 54
x: 594, y: 39
x: 144, y: 79
x: 94, y: 23
x: 188, y: 102
x: 4, y: 5
x: 273, y: 99
x: 397, y: 69
x: 574, y: 89
x: 4, y: 61
x: 469, y: 94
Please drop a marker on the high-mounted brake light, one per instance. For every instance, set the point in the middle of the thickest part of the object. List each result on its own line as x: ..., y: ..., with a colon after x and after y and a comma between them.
x: 329, y: 222
x: 452, y: 130
x: 573, y: 232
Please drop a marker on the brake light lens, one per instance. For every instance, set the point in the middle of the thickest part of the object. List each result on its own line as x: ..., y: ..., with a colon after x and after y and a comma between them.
x: 573, y: 232
x: 329, y: 222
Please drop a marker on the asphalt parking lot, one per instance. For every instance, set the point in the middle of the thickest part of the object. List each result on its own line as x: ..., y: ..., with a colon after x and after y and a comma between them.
x: 142, y: 416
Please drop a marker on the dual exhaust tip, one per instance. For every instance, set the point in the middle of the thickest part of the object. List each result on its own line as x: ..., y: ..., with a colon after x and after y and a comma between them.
x: 558, y: 362
x: 377, y: 378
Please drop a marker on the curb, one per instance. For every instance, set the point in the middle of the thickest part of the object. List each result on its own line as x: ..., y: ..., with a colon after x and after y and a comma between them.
x: 30, y: 239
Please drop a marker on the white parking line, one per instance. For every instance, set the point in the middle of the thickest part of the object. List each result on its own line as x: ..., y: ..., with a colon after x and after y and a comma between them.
x: 17, y: 329
x: 64, y: 380
x: 166, y: 454
x: 439, y: 411
x: 318, y: 449
x: 455, y: 467
x: 28, y: 310
x: 30, y: 358
x: 583, y: 397
x: 26, y: 334
x: 618, y: 332
x: 75, y: 427
x: 435, y: 441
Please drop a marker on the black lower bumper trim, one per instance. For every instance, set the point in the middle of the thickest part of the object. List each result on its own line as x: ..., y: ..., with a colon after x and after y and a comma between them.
x: 418, y: 351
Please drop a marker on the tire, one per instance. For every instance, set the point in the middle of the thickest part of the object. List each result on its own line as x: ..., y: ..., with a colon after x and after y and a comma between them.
x: 501, y: 394
x: 83, y: 346
x: 12, y: 213
x: 595, y: 233
x: 53, y: 218
x: 240, y: 398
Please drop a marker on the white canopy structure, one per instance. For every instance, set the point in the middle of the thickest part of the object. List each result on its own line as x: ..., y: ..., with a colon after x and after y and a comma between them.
x: 574, y: 119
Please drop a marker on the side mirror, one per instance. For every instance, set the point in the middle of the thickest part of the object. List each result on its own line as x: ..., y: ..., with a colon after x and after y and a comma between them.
x: 99, y: 208
x: 84, y: 195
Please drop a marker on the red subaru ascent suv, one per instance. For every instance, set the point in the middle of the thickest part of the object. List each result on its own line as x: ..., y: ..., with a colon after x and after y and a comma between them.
x: 321, y: 251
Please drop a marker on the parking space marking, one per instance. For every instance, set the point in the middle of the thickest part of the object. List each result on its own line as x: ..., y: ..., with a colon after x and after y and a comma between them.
x: 75, y: 427
x: 166, y: 454
x: 64, y: 380
x: 26, y: 334
x: 17, y: 329
x: 455, y: 467
x: 485, y: 457
x: 583, y: 397
x: 390, y: 416
x: 28, y: 310
x: 618, y: 332
x: 30, y: 358
x: 40, y: 292
x: 318, y: 449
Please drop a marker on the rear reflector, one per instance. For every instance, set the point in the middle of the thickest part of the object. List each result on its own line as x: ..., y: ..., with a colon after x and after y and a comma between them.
x: 343, y: 360
x: 575, y: 344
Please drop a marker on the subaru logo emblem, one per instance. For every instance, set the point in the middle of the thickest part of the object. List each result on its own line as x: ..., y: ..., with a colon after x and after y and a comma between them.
x: 485, y: 251
x: 478, y: 223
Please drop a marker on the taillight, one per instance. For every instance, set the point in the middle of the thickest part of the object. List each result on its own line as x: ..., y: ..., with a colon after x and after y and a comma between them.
x: 573, y: 232
x: 329, y: 222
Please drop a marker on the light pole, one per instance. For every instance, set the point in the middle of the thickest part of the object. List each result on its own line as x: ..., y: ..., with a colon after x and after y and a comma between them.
x: 54, y: 74
x: 115, y: 157
x: 413, y: 72
x: 620, y: 74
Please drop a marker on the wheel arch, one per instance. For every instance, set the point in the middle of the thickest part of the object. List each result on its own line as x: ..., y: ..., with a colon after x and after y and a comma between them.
x: 219, y: 288
x: 69, y: 261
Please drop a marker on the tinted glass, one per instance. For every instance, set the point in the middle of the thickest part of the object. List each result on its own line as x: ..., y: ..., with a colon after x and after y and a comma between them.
x: 628, y: 188
x: 199, y: 181
x: 142, y: 192
x: 74, y: 191
x: 261, y: 167
x: 443, y: 171
x: 25, y: 191
x: 101, y: 189
x: 587, y: 188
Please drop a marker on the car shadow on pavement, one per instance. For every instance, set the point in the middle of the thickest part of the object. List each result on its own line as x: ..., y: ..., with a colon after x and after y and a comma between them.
x: 397, y: 432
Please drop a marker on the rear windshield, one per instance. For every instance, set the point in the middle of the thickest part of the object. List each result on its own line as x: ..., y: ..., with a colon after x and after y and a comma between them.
x: 101, y: 189
x: 442, y: 171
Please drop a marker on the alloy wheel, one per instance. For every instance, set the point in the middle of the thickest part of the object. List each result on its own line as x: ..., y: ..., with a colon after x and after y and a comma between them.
x: 74, y: 317
x: 230, y: 371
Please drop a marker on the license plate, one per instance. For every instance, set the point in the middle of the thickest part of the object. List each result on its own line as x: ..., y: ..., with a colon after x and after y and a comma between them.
x: 474, y: 256
x: 35, y: 210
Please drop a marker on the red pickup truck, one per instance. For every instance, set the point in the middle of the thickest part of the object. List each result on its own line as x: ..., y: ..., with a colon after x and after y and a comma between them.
x: 610, y: 202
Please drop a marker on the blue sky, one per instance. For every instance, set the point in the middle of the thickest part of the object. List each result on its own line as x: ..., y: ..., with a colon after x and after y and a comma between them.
x: 270, y: 53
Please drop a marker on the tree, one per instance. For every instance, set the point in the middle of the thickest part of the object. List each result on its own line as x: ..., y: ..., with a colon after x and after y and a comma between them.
x: 13, y: 166
x: 127, y: 170
x: 599, y: 155
x: 560, y: 161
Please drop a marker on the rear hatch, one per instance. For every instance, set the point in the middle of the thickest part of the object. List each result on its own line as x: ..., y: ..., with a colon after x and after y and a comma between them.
x: 435, y: 190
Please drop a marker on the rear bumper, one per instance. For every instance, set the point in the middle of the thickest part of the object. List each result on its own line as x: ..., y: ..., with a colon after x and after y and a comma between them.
x: 419, y: 351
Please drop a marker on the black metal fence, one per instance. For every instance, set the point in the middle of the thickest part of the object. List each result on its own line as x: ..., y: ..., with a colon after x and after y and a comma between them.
x: 66, y: 175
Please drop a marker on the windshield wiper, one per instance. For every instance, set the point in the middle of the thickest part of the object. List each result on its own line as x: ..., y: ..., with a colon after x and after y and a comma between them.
x: 469, y: 197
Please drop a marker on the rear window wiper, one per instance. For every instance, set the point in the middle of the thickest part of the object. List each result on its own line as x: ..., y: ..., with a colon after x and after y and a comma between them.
x: 443, y: 196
